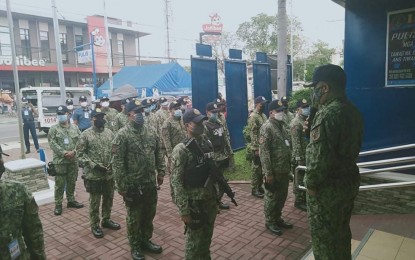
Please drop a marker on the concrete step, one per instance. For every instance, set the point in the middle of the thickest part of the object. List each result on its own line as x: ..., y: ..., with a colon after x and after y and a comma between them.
x: 309, y: 255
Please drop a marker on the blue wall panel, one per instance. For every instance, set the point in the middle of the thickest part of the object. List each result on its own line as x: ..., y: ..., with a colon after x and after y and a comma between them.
x: 388, y: 111
x: 262, y: 81
x: 204, y: 82
x: 237, y: 101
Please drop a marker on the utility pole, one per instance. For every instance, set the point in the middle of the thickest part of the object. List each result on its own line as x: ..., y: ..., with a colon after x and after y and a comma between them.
x: 167, y: 14
x: 58, y: 53
x: 282, y: 48
x: 107, y: 39
x: 16, y: 79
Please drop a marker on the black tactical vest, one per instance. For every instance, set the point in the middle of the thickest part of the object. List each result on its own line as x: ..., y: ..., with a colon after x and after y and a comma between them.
x: 198, y: 170
x: 216, y: 135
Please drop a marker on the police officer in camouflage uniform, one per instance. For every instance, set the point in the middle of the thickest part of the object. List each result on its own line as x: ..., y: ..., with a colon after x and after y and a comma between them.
x: 194, y: 191
x: 161, y: 116
x: 110, y: 113
x: 63, y: 138
x: 218, y: 135
x: 173, y: 131
x: 21, y: 233
x: 275, y: 154
x: 255, y: 121
x: 299, y: 144
x: 332, y: 177
x: 121, y: 118
x: 136, y: 157
x: 288, y: 115
x: 150, y: 106
x: 94, y: 150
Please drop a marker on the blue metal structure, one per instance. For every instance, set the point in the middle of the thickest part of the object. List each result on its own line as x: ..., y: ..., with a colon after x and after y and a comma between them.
x: 237, y: 100
x: 262, y: 80
x: 204, y: 82
x: 388, y: 111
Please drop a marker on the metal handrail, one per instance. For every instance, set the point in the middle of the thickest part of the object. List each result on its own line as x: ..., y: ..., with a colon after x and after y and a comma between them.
x: 387, y: 161
x: 364, y: 172
x: 388, y: 149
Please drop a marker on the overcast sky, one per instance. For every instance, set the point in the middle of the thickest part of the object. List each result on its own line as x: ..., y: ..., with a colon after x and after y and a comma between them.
x: 320, y: 19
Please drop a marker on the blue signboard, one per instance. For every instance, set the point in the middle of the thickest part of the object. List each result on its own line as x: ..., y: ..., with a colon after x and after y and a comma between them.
x: 204, y: 82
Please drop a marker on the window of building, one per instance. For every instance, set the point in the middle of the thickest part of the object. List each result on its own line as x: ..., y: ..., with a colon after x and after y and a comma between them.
x: 64, y: 47
x: 121, y: 56
x: 5, y: 45
x: 44, y: 46
x: 79, y: 40
x: 25, y: 43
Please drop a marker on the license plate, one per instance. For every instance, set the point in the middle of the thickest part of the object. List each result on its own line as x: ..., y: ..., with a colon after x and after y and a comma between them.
x: 49, y: 120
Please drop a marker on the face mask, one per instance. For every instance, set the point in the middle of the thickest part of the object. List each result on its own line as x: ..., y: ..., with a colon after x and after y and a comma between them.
x: 70, y: 107
x: 147, y: 110
x: 105, y: 104
x: 139, y: 119
x: 178, y: 113
x: 84, y: 104
x: 214, y: 116
x: 197, y: 130
x: 305, y: 111
x: 279, y: 116
x: 62, y: 118
x: 99, y: 123
x: 317, y: 94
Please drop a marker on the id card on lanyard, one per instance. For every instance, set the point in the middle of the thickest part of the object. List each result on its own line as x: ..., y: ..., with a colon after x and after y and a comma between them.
x: 14, y: 249
x: 86, y: 114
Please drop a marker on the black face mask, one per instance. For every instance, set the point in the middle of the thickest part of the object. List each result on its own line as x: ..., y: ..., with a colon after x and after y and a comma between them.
x: 139, y: 119
x: 100, y: 123
x: 197, y: 130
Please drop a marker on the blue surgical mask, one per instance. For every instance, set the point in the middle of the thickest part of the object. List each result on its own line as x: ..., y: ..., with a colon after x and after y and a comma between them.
x: 305, y: 111
x: 214, y: 116
x: 62, y: 118
x: 178, y: 113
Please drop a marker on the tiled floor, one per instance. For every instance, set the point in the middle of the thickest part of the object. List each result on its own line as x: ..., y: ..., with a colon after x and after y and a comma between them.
x: 355, y: 243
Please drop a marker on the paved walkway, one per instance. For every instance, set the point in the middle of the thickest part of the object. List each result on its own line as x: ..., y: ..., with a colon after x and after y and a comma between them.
x: 239, y: 232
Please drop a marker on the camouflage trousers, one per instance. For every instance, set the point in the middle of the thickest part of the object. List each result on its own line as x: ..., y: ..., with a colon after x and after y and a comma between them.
x: 256, y: 178
x: 274, y: 201
x: 329, y: 213
x: 300, y: 195
x: 198, y: 241
x: 140, y: 218
x: 65, y: 173
x: 95, y: 201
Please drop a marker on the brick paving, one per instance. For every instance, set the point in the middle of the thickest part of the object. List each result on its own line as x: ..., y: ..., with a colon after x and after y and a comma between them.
x: 239, y: 232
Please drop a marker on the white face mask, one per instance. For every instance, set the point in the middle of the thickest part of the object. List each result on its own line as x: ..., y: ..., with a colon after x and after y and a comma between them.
x: 105, y: 104
x: 279, y: 116
x: 70, y: 107
x: 84, y: 104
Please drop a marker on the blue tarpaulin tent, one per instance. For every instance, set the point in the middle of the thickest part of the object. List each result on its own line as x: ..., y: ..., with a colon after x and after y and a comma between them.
x: 167, y: 79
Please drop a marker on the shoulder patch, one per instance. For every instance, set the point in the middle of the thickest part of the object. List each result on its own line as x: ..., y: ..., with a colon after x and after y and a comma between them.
x: 261, y: 140
x: 315, y: 134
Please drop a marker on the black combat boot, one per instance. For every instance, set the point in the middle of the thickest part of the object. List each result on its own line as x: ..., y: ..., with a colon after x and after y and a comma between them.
x: 97, y: 231
x: 58, y: 210
x: 151, y: 247
x: 274, y: 229
x: 137, y: 255
x: 257, y: 193
x: 75, y: 204
x: 110, y: 224
x: 283, y: 224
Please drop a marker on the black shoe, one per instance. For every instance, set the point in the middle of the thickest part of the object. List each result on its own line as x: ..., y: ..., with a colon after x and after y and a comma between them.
x: 274, y: 229
x: 58, y: 210
x: 300, y: 206
x: 257, y: 193
x: 261, y: 190
x: 151, y: 247
x: 27, y: 151
x: 97, y: 232
x: 75, y: 204
x: 283, y: 224
x: 223, y: 205
x: 137, y: 255
x: 110, y: 224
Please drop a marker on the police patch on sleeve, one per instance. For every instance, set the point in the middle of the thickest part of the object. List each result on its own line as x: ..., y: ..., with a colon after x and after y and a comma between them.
x: 315, y: 134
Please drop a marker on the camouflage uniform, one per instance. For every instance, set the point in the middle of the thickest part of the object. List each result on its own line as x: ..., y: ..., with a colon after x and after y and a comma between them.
x: 299, y: 144
x: 256, y: 120
x: 187, y: 198
x: 94, y: 149
x: 62, y: 139
x: 136, y: 157
x: 335, y: 141
x: 172, y: 133
x: 110, y: 115
x: 161, y: 116
x: 275, y: 154
x: 19, y: 222
x: 121, y: 119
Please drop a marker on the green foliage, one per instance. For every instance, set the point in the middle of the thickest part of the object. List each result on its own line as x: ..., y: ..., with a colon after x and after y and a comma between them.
x: 299, y: 95
x: 242, y: 167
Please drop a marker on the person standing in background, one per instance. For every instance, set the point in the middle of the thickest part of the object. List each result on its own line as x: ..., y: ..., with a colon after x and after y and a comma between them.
x: 28, y: 114
x: 82, y: 116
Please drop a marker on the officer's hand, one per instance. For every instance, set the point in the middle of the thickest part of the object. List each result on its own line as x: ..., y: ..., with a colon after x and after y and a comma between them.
x: 100, y: 168
x: 269, y: 179
x: 186, y: 219
x: 160, y: 179
x: 69, y: 155
x: 311, y: 192
x: 122, y: 193
x: 256, y: 152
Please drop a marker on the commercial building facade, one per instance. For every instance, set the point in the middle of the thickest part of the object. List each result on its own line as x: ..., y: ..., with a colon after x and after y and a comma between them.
x: 36, y: 51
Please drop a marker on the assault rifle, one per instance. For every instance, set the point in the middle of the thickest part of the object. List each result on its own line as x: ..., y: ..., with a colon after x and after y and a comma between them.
x: 215, y: 174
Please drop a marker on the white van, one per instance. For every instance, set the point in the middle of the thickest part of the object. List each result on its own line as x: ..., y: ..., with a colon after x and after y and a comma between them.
x: 48, y: 99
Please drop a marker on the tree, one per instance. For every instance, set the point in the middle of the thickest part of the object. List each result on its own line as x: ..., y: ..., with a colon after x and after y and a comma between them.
x: 220, y: 48
x: 260, y: 35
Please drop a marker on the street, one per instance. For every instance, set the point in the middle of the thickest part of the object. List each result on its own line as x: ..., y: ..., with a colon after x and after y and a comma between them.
x: 9, y: 132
